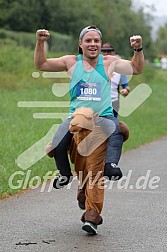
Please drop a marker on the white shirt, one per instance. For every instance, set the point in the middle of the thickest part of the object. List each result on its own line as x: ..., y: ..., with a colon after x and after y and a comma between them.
x: 116, y: 80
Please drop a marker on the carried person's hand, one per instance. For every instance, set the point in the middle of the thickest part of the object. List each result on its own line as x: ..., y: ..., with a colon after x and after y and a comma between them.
x: 124, y: 91
x: 136, y: 41
x: 42, y: 35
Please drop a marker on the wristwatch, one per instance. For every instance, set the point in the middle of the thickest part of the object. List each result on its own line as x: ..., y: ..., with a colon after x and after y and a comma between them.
x: 138, y: 50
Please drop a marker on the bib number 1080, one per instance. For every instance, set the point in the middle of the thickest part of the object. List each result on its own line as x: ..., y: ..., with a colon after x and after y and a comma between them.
x: 88, y: 91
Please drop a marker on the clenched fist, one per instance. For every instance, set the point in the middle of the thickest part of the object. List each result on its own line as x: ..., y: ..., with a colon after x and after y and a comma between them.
x: 42, y: 35
x: 136, y: 41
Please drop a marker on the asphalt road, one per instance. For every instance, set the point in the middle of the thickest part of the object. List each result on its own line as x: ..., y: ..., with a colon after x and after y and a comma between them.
x: 135, y: 212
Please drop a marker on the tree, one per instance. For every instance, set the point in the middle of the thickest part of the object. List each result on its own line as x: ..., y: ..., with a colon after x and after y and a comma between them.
x: 20, y: 15
x: 161, y: 41
x: 115, y: 18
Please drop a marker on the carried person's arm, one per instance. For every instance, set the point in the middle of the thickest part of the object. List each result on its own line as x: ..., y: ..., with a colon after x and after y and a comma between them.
x: 40, y: 59
x: 125, y: 86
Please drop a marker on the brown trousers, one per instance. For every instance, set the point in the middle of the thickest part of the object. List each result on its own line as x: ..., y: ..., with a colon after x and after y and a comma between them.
x: 87, y: 152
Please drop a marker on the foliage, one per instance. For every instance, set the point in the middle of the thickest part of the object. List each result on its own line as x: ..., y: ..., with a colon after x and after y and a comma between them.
x: 23, y: 15
x: 116, y: 18
x: 161, y: 41
x: 58, y: 42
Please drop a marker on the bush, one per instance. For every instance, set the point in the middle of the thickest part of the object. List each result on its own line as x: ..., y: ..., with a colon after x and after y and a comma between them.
x: 57, y: 42
x: 61, y: 43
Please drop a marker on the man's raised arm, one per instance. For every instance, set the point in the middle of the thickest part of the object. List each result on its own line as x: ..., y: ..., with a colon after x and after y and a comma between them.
x: 136, y: 65
x: 138, y: 57
x: 40, y: 59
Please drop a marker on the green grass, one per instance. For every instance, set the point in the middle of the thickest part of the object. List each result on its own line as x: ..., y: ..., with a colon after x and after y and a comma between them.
x: 57, y: 41
x: 148, y: 122
x: 19, y: 130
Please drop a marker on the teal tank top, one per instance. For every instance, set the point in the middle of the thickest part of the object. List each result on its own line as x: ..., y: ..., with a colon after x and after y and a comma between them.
x: 90, y: 89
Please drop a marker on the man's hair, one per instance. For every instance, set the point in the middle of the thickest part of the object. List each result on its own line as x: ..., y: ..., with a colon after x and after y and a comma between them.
x: 84, y: 31
x: 89, y: 28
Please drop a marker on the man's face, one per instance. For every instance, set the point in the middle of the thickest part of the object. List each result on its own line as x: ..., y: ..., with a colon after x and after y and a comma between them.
x: 91, y: 44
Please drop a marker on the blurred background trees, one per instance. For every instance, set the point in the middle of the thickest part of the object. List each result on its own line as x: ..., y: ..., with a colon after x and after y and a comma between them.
x: 116, y: 18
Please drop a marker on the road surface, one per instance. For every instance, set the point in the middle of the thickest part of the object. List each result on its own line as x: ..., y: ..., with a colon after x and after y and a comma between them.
x: 135, y: 212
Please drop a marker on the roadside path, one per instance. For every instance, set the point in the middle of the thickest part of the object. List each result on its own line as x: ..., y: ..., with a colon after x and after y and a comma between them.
x: 134, y: 218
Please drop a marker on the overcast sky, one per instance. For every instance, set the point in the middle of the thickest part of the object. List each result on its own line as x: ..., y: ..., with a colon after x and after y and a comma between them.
x: 160, y: 6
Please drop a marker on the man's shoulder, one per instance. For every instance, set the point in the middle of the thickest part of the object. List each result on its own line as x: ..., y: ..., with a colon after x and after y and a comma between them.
x: 70, y: 57
x: 110, y: 58
x: 70, y: 60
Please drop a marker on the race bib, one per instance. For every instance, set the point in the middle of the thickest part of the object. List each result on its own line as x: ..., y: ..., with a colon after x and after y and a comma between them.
x: 88, y: 91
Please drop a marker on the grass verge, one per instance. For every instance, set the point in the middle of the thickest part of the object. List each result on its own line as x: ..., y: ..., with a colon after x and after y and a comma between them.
x: 19, y: 130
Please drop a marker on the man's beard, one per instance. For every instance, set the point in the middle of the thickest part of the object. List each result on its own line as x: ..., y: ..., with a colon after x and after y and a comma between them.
x: 92, y: 56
